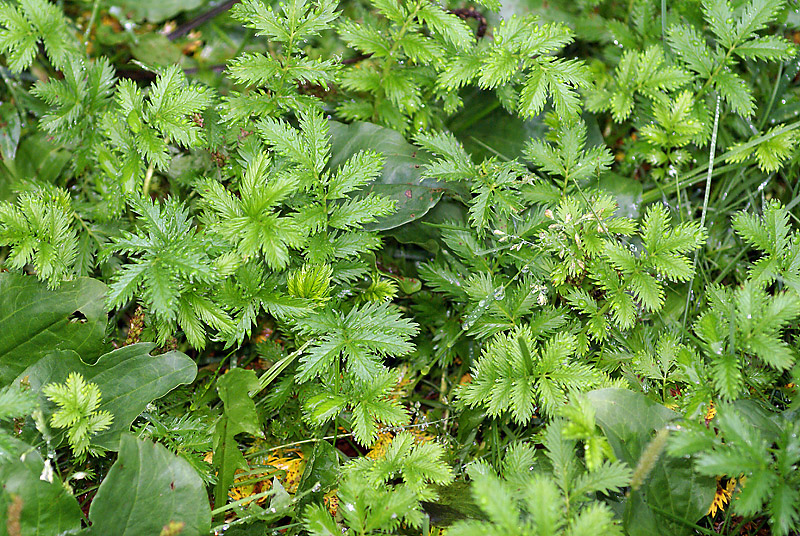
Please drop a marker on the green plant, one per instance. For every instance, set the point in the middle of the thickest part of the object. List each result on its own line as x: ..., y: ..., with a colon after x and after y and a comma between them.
x: 372, y: 501
x: 566, y: 224
x: 77, y: 403
x: 38, y: 229
x: 513, y: 376
x: 544, y: 497
x: 742, y: 330
x: 399, y: 73
x: 759, y: 453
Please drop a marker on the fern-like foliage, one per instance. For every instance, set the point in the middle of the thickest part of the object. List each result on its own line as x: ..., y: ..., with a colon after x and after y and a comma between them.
x: 406, y: 47
x: 770, y: 150
x: 77, y: 403
x: 761, y: 454
x: 676, y: 125
x: 639, y: 73
x: 352, y: 345
x: 543, y: 497
x: 365, y: 403
x: 289, y: 208
x: 377, y: 496
x: 736, y: 34
x: 140, y: 128
x: 702, y: 66
x: 583, y: 242
x: 274, y: 80
x: 664, y: 90
x: 332, y: 212
x: 663, y: 258
x: 772, y: 236
x: 655, y: 364
x: 39, y: 230
x: 357, y: 338
x: 250, y: 222
x: 743, y: 331
x: 516, y: 375
x: 494, y: 185
x: 188, y: 436
x: 565, y: 155
x: 76, y: 104
x: 24, y: 25
x: 171, y: 273
x: 520, y: 65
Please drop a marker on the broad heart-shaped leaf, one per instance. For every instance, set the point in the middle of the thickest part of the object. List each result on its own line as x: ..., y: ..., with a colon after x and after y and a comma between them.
x: 47, y: 507
x: 402, y: 172
x: 628, y: 420
x: 128, y: 379
x: 145, y: 489
x: 35, y: 321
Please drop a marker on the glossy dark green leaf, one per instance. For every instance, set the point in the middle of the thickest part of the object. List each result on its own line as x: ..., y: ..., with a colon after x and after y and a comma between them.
x: 455, y: 503
x: 128, y: 379
x: 234, y: 388
x: 427, y: 236
x: 402, y: 172
x: 487, y: 130
x: 35, y: 321
x: 39, y: 158
x: 147, y: 488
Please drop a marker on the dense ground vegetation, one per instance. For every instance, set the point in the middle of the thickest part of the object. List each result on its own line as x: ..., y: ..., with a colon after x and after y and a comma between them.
x: 397, y: 267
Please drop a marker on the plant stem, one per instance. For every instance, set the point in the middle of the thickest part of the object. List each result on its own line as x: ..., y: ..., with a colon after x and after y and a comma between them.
x: 89, y: 26
x: 390, y: 61
x: 711, y: 155
x: 680, y: 520
x: 696, y: 176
